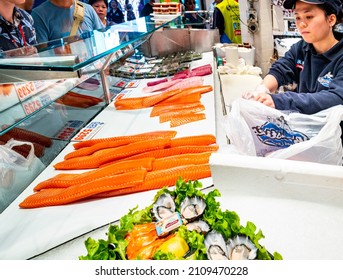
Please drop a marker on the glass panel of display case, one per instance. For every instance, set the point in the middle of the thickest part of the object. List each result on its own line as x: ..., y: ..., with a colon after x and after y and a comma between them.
x: 73, y: 53
x: 50, y: 91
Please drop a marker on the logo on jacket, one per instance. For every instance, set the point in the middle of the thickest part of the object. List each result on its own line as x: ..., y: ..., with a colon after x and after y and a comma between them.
x: 326, y: 79
x: 300, y: 64
x: 277, y: 133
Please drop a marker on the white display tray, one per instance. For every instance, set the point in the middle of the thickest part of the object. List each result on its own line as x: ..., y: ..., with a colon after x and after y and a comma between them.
x: 297, y: 205
x: 163, y: 17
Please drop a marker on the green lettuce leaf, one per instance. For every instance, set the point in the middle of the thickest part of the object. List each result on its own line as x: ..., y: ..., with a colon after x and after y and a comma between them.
x: 225, y: 222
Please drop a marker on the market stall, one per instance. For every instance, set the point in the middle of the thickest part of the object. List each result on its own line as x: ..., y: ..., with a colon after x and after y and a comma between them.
x: 293, y: 203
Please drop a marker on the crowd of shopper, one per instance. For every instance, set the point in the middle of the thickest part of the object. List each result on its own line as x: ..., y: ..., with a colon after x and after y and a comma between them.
x: 54, y: 19
x: 38, y: 21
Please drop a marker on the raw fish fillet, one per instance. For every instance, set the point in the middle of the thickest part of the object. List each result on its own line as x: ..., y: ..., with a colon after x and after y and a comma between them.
x: 187, y: 83
x: 161, y: 86
x: 185, y: 119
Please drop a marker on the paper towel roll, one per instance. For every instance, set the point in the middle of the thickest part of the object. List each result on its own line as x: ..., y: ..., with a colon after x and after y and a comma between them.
x: 231, y: 54
x: 248, y: 55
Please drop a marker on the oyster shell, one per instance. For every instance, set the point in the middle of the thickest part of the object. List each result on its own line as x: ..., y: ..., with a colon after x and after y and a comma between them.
x: 241, y: 248
x: 199, y: 225
x: 163, y: 207
x: 192, y: 208
x: 216, y: 248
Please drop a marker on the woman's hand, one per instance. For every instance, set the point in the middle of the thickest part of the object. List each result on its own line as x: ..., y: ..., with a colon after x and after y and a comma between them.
x: 265, y: 98
x: 260, y: 94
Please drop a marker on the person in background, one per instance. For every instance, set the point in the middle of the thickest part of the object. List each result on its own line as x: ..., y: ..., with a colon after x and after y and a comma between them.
x: 37, y: 3
x: 192, y: 19
x: 213, y: 4
x: 115, y: 14
x: 226, y: 18
x: 27, y: 5
x: 140, y: 7
x: 314, y: 64
x: 147, y: 9
x: 100, y: 7
x: 31, y: 4
x: 16, y: 26
x: 211, y: 10
x: 54, y: 19
x: 130, y: 14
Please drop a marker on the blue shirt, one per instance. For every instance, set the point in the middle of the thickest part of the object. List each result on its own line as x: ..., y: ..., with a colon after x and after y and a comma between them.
x: 18, y: 34
x: 52, y: 22
x: 318, y: 78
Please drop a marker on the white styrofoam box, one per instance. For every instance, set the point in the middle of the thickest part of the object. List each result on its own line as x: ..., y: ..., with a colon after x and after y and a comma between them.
x: 297, y: 205
x: 234, y: 85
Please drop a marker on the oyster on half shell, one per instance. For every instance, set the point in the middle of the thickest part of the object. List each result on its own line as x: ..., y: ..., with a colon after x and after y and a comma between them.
x: 163, y: 207
x: 200, y: 226
x: 192, y: 208
x: 215, y: 244
x: 241, y: 248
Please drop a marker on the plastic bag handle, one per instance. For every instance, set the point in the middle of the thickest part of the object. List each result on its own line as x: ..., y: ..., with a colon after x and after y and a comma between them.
x: 14, y: 143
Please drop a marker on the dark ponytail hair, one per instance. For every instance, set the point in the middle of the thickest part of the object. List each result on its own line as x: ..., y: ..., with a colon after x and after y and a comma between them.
x: 337, y: 28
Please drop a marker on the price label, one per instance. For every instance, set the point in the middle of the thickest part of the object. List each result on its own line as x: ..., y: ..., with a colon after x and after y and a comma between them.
x: 120, y: 84
x: 89, y: 131
x: 69, y: 129
x: 32, y: 106
x: 35, y: 103
x: 133, y: 84
x: 25, y: 90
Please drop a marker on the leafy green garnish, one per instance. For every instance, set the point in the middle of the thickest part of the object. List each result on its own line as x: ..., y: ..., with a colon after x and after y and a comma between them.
x: 225, y: 222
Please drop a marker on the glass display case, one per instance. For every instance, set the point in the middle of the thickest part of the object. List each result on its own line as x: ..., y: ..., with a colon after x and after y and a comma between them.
x: 50, y: 91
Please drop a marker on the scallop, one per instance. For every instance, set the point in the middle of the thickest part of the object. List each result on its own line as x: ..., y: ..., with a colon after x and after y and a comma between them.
x: 200, y: 226
x: 163, y: 207
x: 241, y: 248
x: 192, y: 208
x: 215, y: 244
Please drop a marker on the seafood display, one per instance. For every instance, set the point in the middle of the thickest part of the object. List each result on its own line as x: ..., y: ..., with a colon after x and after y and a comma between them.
x: 182, y: 223
x: 159, y: 98
x: 124, y: 165
x: 78, y: 100
x: 106, y: 154
x: 179, y: 104
x: 39, y: 141
x: 175, y: 84
x: 155, y: 67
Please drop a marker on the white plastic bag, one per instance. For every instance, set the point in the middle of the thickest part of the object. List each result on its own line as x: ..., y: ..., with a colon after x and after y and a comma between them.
x: 16, y: 171
x: 258, y: 130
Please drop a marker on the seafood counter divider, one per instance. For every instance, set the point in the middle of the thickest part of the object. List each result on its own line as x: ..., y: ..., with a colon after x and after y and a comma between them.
x: 32, y: 232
